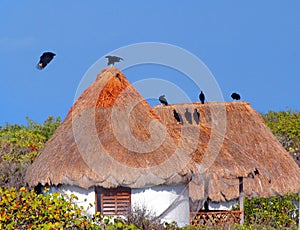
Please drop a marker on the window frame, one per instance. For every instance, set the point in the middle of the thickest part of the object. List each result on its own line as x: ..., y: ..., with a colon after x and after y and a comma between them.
x: 113, y: 201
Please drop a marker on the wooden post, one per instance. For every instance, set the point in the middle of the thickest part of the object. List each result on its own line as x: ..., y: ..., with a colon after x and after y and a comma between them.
x: 241, y: 199
x: 299, y: 211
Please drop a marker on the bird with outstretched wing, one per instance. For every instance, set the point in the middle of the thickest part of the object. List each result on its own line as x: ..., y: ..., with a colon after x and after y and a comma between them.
x: 113, y: 59
x: 45, y: 59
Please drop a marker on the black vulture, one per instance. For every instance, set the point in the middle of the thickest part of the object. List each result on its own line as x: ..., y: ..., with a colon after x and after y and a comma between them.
x: 196, y: 116
x: 188, y: 116
x: 202, y: 97
x: 235, y: 96
x: 45, y: 59
x: 176, y: 116
x: 113, y: 59
x: 163, y: 100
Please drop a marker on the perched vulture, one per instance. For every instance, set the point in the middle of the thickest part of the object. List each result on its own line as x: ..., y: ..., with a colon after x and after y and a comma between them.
x: 235, y: 96
x: 176, y: 116
x: 196, y: 116
x: 202, y: 97
x: 113, y: 59
x: 163, y: 100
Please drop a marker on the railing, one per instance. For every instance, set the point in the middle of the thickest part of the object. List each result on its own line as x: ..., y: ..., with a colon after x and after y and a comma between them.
x: 215, y: 217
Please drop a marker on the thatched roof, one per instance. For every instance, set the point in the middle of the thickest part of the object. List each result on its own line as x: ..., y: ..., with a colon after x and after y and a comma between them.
x: 112, y: 137
x: 248, y: 149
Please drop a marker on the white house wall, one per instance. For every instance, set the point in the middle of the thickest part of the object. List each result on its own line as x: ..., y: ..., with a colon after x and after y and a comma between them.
x: 85, y: 197
x: 158, y: 199
x: 222, y: 205
x: 170, y: 202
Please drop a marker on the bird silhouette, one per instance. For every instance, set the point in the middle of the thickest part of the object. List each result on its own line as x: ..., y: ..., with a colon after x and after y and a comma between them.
x: 113, y: 59
x: 235, y: 96
x: 176, y: 116
x: 188, y: 116
x: 202, y: 97
x: 45, y: 59
x: 196, y: 116
x: 163, y: 100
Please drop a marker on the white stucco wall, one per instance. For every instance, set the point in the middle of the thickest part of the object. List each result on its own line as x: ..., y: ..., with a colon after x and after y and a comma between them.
x: 85, y: 197
x: 222, y: 205
x: 157, y: 199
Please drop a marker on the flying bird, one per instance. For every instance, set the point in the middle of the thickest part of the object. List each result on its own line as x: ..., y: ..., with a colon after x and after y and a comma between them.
x: 176, y: 116
x: 45, y: 59
x: 202, y: 97
x: 113, y: 59
x: 235, y: 96
x: 163, y: 100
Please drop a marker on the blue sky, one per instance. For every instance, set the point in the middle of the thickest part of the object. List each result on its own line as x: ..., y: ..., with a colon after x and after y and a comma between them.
x: 249, y: 47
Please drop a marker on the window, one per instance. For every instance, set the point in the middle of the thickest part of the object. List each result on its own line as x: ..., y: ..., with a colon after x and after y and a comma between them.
x: 113, y: 201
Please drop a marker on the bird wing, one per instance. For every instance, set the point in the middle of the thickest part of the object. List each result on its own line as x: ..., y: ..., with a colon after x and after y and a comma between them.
x: 115, y: 59
x: 45, y: 59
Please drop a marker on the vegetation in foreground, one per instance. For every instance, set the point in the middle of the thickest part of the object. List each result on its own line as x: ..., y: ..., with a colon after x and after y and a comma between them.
x: 24, y: 209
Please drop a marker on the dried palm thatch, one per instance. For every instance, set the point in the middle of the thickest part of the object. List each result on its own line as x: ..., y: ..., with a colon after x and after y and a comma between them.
x: 111, y: 137
x: 248, y: 149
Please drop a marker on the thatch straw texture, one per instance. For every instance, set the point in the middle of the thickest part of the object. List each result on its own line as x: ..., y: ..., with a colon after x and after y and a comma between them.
x: 112, y: 137
x: 248, y: 150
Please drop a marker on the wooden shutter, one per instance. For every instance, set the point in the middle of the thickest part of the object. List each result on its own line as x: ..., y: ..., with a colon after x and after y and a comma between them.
x: 113, y: 201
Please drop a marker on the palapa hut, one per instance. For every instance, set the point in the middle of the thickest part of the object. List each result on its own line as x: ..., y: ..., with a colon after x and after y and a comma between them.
x: 117, y: 152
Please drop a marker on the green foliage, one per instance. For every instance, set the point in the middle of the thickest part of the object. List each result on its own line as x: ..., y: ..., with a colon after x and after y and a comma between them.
x: 23, y: 209
x: 47, y: 129
x: 19, y: 145
x: 273, y: 212
x: 285, y: 125
x: 26, y: 210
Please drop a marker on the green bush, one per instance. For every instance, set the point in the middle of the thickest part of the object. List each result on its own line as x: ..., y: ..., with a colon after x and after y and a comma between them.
x: 19, y: 146
x: 273, y: 212
x: 285, y: 125
x: 23, y: 209
x: 26, y: 210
